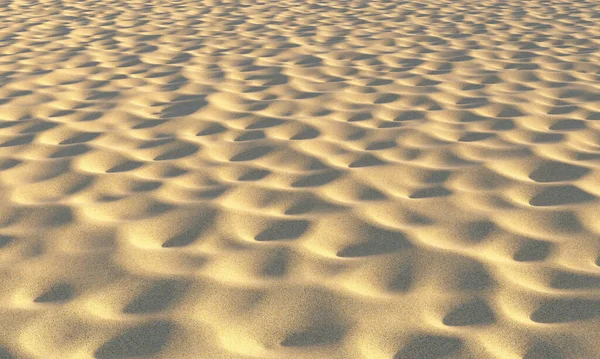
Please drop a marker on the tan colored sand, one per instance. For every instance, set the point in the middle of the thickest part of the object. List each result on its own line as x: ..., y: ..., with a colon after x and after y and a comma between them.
x: 299, y: 179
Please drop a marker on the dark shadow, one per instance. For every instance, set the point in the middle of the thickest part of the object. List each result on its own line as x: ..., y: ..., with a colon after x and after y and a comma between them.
x: 586, y: 156
x: 321, y: 335
x: 410, y: 116
x: 278, y: 263
x: 309, y: 61
x: 187, y: 98
x: 477, y: 231
x: 566, y: 280
x: 5, y: 354
x: 312, y: 203
x: 560, y: 195
x: 102, y: 95
x: 371, y: 194
x: 410, y: 63
x: 5, y: 240
x: 472, y: 102
x: 62, y: 113
x: 283, y: 230
x: 91, y: 116
x: 472, y: 117
x: 382, y: 145
x: 53, y: 215
x: 19, y: 141
x: 306, y: 95
x: 174, y: 172
x: 438, y: 191
x: 510, y: 112
x: 159, y: 296
x: 81, y: 138
x: 8, y: 124
x: 533, y: 250
x: 427, y: 82
x: 356, y: 135
x: 180, y: 58
x: 520, y: 66
x: 254, y: 175
x: 146, y: 186
x: 541, y: 137
x: 316, y: 165
x: 126, y: 166
x: 558, y: 171
x: 264, y: 123
x: 143, y: 340
x: 367, y: 160
x: 378, y: 82
x: 437, y: 176
x: 155, y: 143
x: 475, y: 136
x: 71, y: 151
x: 361, y: 116
x: 566, y: 310
x: 252, y: 135
x: 211, y: 193
x: 20, y: 93
x: 389, y: 124
x: 474, y: 276
x: 386, y: 98
x: 430, y: 347
x: 212, y: 130
x: 306, y: 134
x: 503, y: 125
x: 418, y: 219
x: 39, y: 127
x: 86, y: 182
x: 476, y: 312
x: 404, y: 279
x: 180, y: 109
x: 567, y: 125
x: 191, y: 234
x: 184, y: 150
x: 89, y: 64
x: 57, y: 293
x: 563, y: 110
x: 252, y: 154
x: 148, y: 124
x: 154, y: 75
x: 8, y: 163
x: 543, y: 351
x: 146, y: 49
x: 318, y: 179
x: 377, y: 241
x: 275, y: 80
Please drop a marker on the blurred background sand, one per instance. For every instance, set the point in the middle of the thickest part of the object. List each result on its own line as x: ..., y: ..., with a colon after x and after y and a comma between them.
x: 300, y: 179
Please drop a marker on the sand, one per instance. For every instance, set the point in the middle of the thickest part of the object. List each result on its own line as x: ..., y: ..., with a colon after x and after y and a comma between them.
x: 299, y: 179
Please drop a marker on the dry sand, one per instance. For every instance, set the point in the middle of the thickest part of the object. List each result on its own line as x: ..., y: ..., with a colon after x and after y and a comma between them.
x: 300, y: 179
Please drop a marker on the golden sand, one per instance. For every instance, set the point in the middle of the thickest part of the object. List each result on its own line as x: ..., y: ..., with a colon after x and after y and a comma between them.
x: 300, y: 179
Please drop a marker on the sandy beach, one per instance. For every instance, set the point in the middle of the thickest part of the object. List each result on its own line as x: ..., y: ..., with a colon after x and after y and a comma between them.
x: 299, y: 179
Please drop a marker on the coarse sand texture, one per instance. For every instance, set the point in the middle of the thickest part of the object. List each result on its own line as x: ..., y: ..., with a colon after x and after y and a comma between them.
x: 299, y: 179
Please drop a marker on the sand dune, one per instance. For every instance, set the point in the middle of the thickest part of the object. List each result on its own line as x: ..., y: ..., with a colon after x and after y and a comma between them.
x: 299, y: 179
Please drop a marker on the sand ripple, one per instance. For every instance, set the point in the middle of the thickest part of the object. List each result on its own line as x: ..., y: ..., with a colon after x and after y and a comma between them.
x: 299, y: 179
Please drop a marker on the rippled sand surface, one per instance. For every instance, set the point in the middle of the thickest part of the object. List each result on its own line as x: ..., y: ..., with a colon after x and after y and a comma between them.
x: 299, y: 179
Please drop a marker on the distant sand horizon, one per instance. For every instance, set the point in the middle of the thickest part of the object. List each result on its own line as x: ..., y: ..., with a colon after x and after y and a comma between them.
x: 299, y: 179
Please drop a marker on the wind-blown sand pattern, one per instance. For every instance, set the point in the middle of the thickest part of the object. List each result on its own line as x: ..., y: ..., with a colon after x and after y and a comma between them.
x: 300, y: 179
